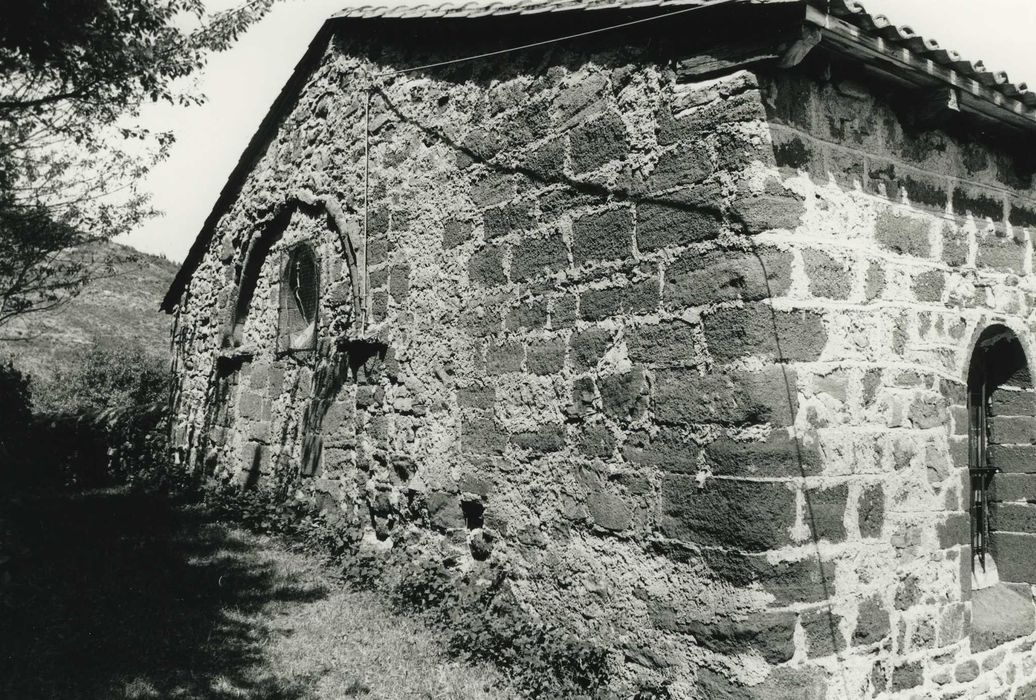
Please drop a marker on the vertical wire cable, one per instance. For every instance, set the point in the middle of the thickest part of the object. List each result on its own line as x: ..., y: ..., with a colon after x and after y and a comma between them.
x: 365, y: 291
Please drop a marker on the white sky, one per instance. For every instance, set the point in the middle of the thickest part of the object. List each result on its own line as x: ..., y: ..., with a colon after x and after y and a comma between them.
x: 242, y: 83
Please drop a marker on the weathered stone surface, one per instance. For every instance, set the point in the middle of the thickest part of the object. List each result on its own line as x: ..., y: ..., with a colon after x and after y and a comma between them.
x: 444, y: 510
x: 597, y: 142
x: 928, y: 286
x: 767, y: 212
x: 696, y: 280
x: 754, y: 516
x: 609, y: 511
x: 873, y: 623
x: 661, y: 225
x: 588, y: 347
x: 778, y: 455
x: 685, y: 396
x: 548, y: 439
x: 668, y: 449
x: 639, y: 297
x: 669, y: 344
x: 823, y: 632
x: 685, y: 165
x: 759, y: 330
x: 595, y: 440
x: 827, y: 277
x: 825, y: 512
x: 805, y: 581
x: 1003, y: 254
x: 906, y: 676
x: 625, y: 396
x: 502, y: 358
x: 784, y: 683
x: 871, y: 511
x: 999, y: 614
x: 546, y: 356
x: 486, y: 267
x: 537, y: 257
x: 770, y: 634
x: 606, y: 235
x: 906, y: 235
x: 508, y: 218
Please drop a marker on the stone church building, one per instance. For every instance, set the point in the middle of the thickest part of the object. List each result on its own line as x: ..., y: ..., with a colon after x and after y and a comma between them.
x: 707, y: 320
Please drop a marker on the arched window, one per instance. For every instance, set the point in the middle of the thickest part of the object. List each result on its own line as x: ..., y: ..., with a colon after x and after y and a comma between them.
x: 1001, y: 406
x: 299, y: 300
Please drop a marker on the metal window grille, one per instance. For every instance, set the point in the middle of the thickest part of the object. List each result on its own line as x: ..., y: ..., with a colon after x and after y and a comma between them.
x: 300, y: 295
x: 980, y: 468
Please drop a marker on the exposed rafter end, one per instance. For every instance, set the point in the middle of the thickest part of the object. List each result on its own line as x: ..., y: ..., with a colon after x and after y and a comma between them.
x: 932, y: 109
x: 801, y: 47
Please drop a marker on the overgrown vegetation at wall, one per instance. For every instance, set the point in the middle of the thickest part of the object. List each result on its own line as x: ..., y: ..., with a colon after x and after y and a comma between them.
x: 475, y: 607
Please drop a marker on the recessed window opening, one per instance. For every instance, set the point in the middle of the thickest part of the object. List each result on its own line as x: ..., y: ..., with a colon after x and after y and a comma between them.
x: 300, y: 296
x: 1000, y: 406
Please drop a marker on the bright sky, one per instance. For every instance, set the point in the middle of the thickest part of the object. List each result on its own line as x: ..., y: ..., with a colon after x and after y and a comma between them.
x: 242, y: 83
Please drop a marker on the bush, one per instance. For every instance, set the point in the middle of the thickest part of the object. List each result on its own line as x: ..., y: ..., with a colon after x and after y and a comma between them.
x: 15, y: 422
x: 107, y: 415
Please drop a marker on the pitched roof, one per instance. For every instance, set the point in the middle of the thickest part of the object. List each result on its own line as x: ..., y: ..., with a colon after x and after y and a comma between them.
x: 894, y: 52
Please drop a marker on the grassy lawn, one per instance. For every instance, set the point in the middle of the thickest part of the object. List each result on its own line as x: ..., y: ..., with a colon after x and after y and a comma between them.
x: 128, y: 596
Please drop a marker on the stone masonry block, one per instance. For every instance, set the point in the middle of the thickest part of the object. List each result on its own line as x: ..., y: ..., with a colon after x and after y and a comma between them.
x: 625, y: 396
x: 906, y: 235
x: 759, y: 330
x: 928, y: 286
x: 668, y: 449
x: 662, y: 224
x: 980, y: 203
x: 509, y: 218
x: 486, y: 267
x: 871, y: 511
x: 778, y: 456
x: 1013, y: 430
x: 505, y: 357
x: 696, y: 279
x: 750, y: 516
x: 668, y: 344
x: 828, y: 277
x: 768, y: 212
x: 1001, y: 613
x: 823, y: 632
x: 804, y: 581
x: 1013, y: 403
x: 1013, y: 458
x: 769, y: 634
x: 825, y: 512
x: 606, y: 235
x: 540, y: 256
x: 685, y: 165
x: 872, y: 622
x: 546, y: 356
x: 598, y: 142
x: 955, y: 246
x: 481, y: 435
x: 588, y: 347
x: 1013, y: 517
x: 1001, y: 253
x: 1014, y: 487
x: 687, y: 397
x: 637, y: 298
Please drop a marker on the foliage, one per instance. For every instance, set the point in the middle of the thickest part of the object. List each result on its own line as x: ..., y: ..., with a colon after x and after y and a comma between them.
x: 15, y: 411
x: 73, y: 77
x: 481, y: 618
x: 110, y: 408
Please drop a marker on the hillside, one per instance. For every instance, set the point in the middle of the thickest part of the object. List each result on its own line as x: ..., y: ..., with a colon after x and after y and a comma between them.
x: 119, y: 304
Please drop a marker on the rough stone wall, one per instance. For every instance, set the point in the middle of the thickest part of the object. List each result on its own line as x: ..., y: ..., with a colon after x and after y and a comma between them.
x: 686, y: 359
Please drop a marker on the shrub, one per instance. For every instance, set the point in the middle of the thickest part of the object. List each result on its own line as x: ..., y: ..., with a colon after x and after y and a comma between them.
x: 107, y: 416
x: 15, y: 421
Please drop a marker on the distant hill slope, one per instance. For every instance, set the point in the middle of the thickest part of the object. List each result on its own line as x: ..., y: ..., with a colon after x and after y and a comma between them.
x: 119, y: 304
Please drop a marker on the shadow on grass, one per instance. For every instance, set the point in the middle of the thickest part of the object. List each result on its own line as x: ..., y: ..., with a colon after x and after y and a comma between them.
x: 124, y: 595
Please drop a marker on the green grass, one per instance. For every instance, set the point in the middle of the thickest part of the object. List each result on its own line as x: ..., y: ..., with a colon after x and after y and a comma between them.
x: 118, y: 595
